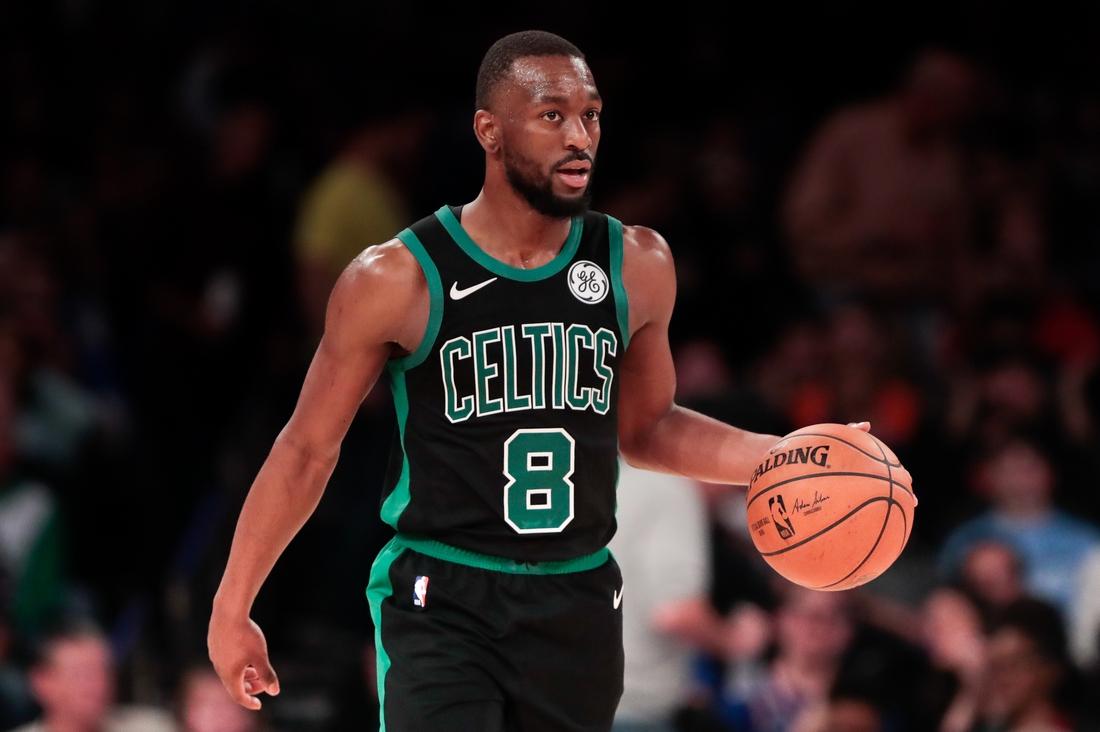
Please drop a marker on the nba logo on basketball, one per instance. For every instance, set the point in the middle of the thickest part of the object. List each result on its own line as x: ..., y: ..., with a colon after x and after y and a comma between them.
x: 779, y: 517
x: 420, y: 592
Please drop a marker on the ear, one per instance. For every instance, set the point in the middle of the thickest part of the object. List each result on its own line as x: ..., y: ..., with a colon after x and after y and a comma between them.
x: 487, y: 131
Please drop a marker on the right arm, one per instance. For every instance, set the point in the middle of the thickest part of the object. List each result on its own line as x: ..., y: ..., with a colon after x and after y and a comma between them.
x: 378, y: 310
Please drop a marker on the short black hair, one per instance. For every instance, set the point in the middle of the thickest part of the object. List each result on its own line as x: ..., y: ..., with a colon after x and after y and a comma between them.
x: 498, y: 60
x: 61, y: 631
x: 1040, y: 622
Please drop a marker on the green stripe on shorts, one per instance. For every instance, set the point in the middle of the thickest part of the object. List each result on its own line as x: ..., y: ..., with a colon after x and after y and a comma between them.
x: 378, y: 590
x: 448, y: 553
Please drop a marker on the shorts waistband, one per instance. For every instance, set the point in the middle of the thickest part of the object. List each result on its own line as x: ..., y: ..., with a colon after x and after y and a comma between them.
x: 448, y: 553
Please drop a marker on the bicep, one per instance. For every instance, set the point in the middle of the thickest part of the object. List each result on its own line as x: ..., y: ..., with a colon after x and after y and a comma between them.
x: 648, y: 378
x: 648, y: 375
x: 337, y: 382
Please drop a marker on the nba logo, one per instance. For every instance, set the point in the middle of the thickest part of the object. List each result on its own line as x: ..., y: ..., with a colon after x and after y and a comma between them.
x: 780, y: 519
x: 420, y: 592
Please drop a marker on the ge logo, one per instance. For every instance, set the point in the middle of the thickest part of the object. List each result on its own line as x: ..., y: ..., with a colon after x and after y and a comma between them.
x: 587, y: 282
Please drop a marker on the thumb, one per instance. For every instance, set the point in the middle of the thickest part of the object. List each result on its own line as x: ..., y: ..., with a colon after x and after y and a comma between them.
x: 865, y: 426
x: 267, y: 675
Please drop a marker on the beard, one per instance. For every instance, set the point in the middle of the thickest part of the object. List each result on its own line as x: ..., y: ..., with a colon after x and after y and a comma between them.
x: 537, y: 188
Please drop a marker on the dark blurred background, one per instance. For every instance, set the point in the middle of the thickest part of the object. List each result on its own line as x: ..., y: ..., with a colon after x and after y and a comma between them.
x: 881, y: 212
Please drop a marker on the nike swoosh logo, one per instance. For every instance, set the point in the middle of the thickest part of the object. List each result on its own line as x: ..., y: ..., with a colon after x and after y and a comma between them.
x: 618, y: 599
x: 457, y: 294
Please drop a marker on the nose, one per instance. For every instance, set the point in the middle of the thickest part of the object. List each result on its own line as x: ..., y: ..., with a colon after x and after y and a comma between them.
x: 576, y: 135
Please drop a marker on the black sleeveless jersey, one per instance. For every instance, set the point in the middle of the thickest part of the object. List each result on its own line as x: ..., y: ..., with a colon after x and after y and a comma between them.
x: 507, y: 412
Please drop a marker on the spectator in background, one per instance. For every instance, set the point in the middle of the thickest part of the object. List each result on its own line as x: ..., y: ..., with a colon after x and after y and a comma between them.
x: 1085, y: 615
x: 952, y: 635
x: 30, y: 536
x: 661, y: 547
x: 1019, y: 481
x: 73, y: 681
x: 992, y: 575
x: 813, y: 631
x: 355, y: 203
x: 56, y: 415
x: 879, y: 203
x: 16, y: 703
x: 205, y: 706
x: 860, y: 381
x: 1027, y: 661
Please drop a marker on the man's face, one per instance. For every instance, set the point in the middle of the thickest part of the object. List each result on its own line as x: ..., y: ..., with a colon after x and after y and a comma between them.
x: 1018, y: 677
x: 814, y: 625
x: 76, y: 683
x: 549, y: 117
x: 1020, y: 479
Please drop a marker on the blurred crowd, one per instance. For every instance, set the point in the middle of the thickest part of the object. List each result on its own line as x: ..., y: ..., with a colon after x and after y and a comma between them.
x: 180, y: 187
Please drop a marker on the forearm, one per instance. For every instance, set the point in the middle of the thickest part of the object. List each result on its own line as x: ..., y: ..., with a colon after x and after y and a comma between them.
x: 683, y: 442
x: 283, y: 496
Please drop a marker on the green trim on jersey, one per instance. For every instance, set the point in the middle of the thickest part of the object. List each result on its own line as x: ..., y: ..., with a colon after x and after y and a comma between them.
x: 448, y: 553
x: 497, y: 267
x: 399, y: 497
x: 622, y: 305
x: 378, y: 590
x: 435, y: 292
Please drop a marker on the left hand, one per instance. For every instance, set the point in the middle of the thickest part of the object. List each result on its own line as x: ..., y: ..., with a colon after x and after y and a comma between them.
x: 865, y: 426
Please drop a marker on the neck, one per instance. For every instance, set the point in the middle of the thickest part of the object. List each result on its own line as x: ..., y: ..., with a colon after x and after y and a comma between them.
x: 506, y: 227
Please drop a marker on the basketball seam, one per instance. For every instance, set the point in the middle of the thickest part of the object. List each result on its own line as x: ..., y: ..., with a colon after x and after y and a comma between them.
x: 905, y: 524
x: 863, y: 452
x: 885, y: 520
x: 821, y: 475
x: 833, y: 525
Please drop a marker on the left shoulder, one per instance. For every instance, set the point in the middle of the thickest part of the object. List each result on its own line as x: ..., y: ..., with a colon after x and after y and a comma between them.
x: 649, y: 276
x: 646, y: 250
x: 645, y: 242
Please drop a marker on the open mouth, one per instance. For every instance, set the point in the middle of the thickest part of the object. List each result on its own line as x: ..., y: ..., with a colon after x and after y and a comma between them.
x: 575, y: 174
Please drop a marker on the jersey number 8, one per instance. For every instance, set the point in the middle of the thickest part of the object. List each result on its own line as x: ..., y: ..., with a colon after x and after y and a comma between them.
x: 538, y: 498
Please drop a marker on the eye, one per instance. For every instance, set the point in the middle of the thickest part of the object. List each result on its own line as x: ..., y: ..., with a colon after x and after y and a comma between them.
x: 552, y: 116
x: 592, y: 115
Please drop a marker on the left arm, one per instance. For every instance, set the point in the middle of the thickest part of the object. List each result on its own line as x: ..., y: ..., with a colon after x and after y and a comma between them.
x: 655, y: 433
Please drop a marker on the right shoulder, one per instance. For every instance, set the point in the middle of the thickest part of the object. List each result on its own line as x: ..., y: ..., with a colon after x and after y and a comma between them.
x: 388, y: 268
x: 381, y: 296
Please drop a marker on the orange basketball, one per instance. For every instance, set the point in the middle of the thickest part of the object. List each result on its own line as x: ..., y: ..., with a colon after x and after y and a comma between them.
x: 830, y: 507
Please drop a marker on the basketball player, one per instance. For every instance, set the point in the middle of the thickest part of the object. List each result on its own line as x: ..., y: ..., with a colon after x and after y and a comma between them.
x: 526, y: 344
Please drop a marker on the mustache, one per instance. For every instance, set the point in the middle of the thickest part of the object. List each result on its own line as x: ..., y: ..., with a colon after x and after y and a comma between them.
x: 579, y: 155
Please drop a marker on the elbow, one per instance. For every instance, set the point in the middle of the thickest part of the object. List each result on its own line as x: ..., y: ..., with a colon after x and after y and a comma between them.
x: 639, y: 443
x: 633, y: 448
x: 305, y: 457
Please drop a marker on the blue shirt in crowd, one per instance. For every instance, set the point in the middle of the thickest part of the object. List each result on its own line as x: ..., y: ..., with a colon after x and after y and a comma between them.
x: 1051, y: 549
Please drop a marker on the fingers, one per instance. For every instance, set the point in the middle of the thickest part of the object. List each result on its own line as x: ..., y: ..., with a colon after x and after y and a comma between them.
x: 865, y: 426
x: 251, y: 683
x: 239, y: 691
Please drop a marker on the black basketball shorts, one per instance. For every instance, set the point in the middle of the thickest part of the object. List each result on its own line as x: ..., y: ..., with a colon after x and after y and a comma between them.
x: 472, y: 643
